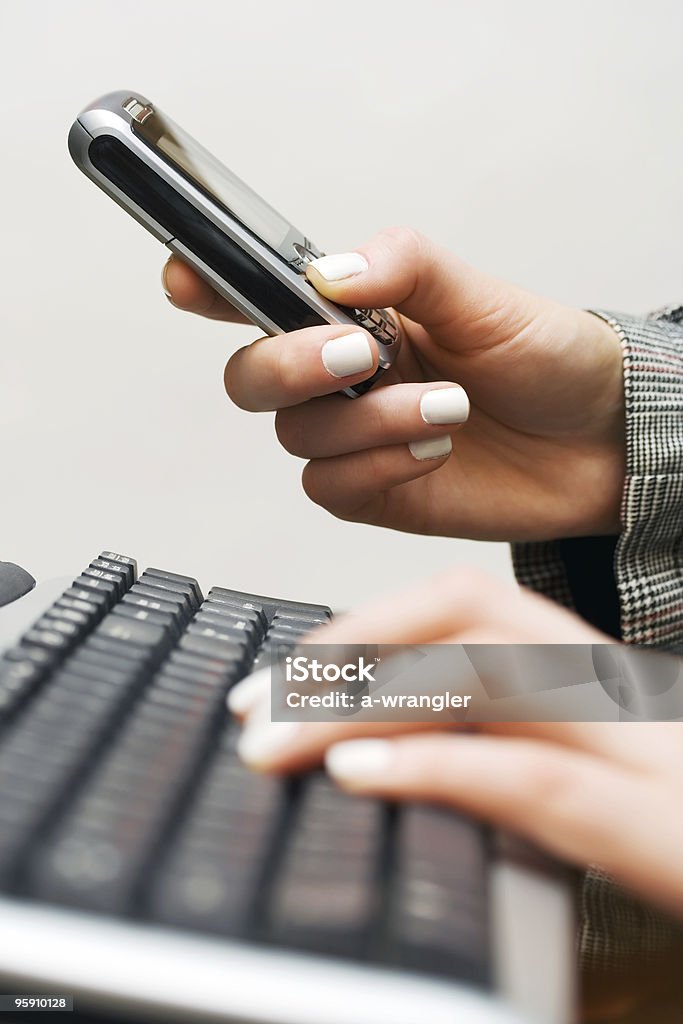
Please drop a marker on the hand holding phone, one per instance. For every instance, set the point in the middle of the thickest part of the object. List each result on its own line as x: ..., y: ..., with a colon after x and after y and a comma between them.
x: 235, y: 241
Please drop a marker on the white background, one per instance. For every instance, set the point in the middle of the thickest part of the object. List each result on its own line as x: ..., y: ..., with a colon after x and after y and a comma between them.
x: 541, y: 141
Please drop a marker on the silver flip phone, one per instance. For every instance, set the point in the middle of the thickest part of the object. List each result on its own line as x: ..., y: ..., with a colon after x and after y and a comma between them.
x: 198, y: 208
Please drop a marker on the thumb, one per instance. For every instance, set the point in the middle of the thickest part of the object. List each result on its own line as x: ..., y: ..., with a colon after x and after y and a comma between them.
x: 399, y: 267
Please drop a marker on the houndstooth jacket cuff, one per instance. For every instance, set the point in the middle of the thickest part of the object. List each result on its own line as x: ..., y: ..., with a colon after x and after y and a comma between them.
x: 649, y: 556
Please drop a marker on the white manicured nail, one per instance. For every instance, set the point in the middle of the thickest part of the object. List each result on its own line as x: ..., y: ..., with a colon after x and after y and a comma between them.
x: 445, y: 405
x: 249, y: 692
x: 350, y: 354
x: 263, y: 739
x: 167, y: 291
x: 359, y: 759
x: 340, y: 266
x: 432, y: 448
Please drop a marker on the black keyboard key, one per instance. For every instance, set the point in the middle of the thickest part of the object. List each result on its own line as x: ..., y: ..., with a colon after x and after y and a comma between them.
x: 85, y: 583
x: 239, y: 630
x: 271, y: 606
x: 122, y: 573
x: 131, y: 633
x: 49, y: 639
x: 63, y: 626
x: 166, y: 620
x: 40, y: 656
x: 38, y: 769
x: 438, y: 904
x: 89, y: 595
x: 243, y: 617
x: 174, y: 584
x: 300, y: 624
x: 79, y: 619
x: 94, y: 612
x: 326, y: 894
x: 18, y: 680
x: 115, y: 653
x: 188, y: 676
x: 192, y: 664
x: 223, y: 603
x: 115, y: 579
x: 122, y: 561
x: 213, y: 877
x: 94, y: 670
x: 223, y: 649
x: 155, y: 603
x: 148, y: 588
x: 120, y: 818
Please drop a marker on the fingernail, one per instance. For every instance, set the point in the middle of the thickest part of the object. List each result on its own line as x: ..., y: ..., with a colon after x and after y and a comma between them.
x: 445, y: 405
x: 359, y: 759
x: 249, y: 692
x: 347, y: 355
x: 340, y: 266
x: 433, y: 448
x: 167, y: 291
x: 263, y: 739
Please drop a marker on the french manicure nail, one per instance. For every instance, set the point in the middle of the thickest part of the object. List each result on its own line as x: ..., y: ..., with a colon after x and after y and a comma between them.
x: 432, y: 448
x: 263, y: 739
x: 249, y: 692
x: 445, y: 405
x: 340, y: 265
x: 350, y: 354
x: 359, y: 759
x: 167, y: 292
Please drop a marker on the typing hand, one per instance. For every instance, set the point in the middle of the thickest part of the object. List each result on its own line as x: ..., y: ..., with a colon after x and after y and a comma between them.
x: 605, y: 793
x: 542, y: 452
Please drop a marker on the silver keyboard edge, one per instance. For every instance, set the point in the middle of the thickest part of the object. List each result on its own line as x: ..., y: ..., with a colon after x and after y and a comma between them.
x: 533, y: 938
x: 165, y: 975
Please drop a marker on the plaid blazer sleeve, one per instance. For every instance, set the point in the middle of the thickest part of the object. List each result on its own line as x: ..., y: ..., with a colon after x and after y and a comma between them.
x: 648, y: 563
x: 615, y: 928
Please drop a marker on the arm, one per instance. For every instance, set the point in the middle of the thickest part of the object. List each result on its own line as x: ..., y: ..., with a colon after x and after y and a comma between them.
x: 641, y: 568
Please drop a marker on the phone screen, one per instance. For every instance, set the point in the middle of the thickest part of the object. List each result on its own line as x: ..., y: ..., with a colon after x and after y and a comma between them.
x: 214, y: 178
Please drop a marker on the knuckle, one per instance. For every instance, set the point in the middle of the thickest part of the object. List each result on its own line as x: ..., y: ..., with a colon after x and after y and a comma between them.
x: 551, y: 782
x: 535, y: 778
x: 471, y: 582
x: 406, y: 240
x: 289, y: 371
x: 232, y: 378
x: 289, y: 430
x: 313, y: 483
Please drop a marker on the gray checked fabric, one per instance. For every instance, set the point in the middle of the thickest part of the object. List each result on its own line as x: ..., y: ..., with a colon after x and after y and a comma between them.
x: 648, y: 570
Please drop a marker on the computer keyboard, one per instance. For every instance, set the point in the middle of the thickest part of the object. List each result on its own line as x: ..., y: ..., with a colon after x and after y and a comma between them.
x: 121, y: 793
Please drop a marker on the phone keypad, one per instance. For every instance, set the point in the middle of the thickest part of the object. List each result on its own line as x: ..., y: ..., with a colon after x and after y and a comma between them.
x: 379, y: 323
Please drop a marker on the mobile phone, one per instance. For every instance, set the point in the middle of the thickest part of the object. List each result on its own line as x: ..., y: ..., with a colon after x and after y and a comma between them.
x: 205, y: 214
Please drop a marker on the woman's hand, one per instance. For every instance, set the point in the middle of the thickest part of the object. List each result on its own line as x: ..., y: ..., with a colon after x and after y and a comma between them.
x: 591, y: 793
x: 542, y: 454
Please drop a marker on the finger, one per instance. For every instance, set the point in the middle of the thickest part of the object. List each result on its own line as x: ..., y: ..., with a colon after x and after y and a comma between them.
x: 351, y: 486
x: 396, y: 415
x: 443, y: 607
x: 440, y: 608
x: 578, y: 807
x: 187, y: 290
x: 401, y: 268
x: 286, y: 746
x: 273, y: 373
